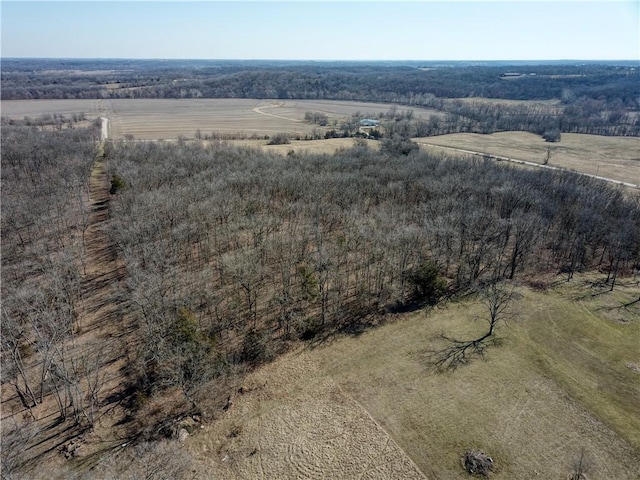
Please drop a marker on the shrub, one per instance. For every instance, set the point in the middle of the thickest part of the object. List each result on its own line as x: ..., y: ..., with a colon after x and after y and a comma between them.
x: 398, y: 145
x: 428, y: 283
x: 476, y: 462
x: 279, y: 139
x: 117, y: 184
x: 552, y: 135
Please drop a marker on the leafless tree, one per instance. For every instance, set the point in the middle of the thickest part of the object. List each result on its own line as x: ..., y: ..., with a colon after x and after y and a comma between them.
x: 497, y: 299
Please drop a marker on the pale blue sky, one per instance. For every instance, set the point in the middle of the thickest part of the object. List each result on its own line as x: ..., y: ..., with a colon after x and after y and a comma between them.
x: 363, y: 30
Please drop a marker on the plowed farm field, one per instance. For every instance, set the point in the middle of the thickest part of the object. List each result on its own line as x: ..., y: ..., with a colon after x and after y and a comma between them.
x: 155, y: 119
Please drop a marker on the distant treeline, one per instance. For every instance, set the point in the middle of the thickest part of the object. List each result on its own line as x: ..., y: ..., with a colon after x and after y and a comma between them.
x: 364, y: 82
x: 597, y: 99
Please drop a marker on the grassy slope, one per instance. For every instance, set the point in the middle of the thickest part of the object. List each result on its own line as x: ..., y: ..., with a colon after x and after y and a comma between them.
x: 612, y: 157
x: 586, y: 346
x: 558, y: 383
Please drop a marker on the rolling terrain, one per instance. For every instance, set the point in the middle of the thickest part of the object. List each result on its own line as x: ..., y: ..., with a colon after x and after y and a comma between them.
x: 195, y: 262
x: 616, y: 158
x: 361, y: 406
x: 155, y: 119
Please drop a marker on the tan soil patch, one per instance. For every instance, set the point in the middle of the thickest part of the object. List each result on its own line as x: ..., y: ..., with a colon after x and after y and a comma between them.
x: 295, y: 422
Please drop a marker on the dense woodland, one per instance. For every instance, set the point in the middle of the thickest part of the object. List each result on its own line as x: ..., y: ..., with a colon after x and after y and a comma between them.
x: 231, y: 253
x: 596, y: 98
x: 45, y: 182
x: 256, y: 249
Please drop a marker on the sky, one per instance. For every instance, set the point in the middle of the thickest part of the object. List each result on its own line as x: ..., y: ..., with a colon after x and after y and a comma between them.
x: 327, y: 30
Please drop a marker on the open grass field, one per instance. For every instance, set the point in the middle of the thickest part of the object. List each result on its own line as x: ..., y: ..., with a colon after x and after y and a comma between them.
x: 153, y: 119
x: 564, y: 379
x: 617, y: 158
x: 328, y: 146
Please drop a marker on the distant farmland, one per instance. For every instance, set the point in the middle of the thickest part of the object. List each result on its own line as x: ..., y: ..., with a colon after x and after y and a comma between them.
x: 153, y: 119
x: 617, y: 158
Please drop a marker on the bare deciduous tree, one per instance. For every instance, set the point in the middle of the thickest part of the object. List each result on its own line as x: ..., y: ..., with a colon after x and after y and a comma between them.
x: 497, y: 299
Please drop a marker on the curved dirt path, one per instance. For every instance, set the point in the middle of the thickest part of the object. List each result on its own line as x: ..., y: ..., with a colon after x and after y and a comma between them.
x: 259, y: 111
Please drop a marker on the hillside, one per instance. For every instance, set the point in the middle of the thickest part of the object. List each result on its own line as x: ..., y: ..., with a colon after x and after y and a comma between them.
x: 147, y: 284
x: 548, y: 392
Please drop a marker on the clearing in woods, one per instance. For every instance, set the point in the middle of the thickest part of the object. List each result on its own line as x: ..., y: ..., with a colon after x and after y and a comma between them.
x: 617, y: 158
x: 564, y: 379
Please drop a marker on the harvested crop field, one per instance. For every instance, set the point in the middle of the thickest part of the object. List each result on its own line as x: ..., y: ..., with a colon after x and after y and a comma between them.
x: 362, y: 406
x: 154, y: 119
x: 18, y: 109
x: 617, y: 158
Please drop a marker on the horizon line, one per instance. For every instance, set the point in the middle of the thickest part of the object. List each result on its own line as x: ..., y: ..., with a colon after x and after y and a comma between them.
x: 329, y: 59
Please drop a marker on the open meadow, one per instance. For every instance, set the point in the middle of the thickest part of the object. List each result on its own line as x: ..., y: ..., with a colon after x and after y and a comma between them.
x: 564, y: 379
x: 617, y: 158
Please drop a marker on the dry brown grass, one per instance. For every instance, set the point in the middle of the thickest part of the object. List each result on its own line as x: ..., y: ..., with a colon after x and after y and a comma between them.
x: 558, y: 383
x: 329, y: 146
x: 294, y: 421
x: 502, y: 101
x: 617, y: 158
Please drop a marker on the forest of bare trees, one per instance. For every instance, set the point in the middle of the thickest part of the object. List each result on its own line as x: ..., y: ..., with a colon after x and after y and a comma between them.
x: 45, y: 186
x: 598, y: 99
x: 232, y: 254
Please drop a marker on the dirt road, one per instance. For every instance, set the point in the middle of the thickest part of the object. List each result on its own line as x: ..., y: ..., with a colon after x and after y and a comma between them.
x: 104, y: 134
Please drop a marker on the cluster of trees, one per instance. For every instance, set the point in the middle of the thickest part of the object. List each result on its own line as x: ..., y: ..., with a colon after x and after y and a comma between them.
x: 47, y: 121
x: 317, y: 117
x: 582, y: 115
x: 45, y: 184
x: 233, y: 252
